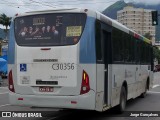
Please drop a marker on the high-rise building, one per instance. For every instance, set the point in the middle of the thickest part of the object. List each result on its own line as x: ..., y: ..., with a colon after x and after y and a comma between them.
x: 157, y: 40
x: 137, y: 19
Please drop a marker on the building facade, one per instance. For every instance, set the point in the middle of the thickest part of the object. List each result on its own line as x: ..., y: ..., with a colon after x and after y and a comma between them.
x: 137, y: 19
x: 157, y: 41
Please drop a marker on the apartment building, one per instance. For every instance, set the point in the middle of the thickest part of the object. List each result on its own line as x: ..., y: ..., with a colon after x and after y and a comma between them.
x: 137, y: 19
x: 157, y: 41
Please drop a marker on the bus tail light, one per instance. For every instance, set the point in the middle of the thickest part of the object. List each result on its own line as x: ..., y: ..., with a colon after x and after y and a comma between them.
x: 10, y: 82
x: 85, y: 87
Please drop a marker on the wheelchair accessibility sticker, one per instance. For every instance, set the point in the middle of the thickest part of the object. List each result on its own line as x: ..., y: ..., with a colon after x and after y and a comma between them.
x: 23, y: 67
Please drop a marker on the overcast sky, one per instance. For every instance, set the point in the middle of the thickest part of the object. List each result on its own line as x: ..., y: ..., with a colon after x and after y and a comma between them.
x: 11, y: 7
x: 19, y: 6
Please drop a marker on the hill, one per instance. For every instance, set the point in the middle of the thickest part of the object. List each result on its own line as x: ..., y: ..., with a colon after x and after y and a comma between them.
x: 111, y: 11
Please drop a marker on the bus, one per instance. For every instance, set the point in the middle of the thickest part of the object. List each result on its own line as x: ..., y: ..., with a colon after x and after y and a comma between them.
x: 76, y: 58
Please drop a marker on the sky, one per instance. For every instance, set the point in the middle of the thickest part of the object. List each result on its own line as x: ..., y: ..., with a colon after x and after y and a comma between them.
x: 11, y: 7
x: 20, y: 6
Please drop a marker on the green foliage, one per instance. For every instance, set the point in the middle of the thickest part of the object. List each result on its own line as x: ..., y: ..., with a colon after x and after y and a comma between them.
x: 156, y: 53
x: 148, y: 35
x: 5, y: 21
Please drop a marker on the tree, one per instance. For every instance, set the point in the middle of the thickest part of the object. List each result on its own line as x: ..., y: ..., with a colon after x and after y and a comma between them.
x: 148, y: 35
x: 5, y: 21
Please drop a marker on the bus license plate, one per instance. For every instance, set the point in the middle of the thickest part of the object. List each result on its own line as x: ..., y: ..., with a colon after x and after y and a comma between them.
x: 45, y: 89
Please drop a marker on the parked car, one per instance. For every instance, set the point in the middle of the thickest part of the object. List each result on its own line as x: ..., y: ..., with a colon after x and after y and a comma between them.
x: 157, y: 68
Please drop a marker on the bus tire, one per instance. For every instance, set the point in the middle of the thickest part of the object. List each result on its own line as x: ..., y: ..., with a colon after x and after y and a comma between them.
x: 123, y: 100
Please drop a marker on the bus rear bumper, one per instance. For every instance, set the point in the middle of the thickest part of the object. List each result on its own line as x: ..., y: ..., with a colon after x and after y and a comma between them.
x: 86, y: 101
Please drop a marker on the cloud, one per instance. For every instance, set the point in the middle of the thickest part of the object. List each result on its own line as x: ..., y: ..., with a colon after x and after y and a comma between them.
x: 21, y: 6
x: 10, y: 8
x: 10, y: 11
x: 146, y: 2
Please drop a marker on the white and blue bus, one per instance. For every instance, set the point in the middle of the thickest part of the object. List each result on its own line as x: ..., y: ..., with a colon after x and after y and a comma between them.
x: 77, y: 59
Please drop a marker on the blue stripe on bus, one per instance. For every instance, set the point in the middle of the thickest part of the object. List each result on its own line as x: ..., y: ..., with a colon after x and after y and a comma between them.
x: 11, y: 46
x: 87, y: 42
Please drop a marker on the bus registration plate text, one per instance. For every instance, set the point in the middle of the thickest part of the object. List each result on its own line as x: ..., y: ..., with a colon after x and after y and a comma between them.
x: 45, y: 89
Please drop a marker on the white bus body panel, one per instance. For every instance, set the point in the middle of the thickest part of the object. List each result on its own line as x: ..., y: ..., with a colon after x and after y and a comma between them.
x: 44, y: 70
x: 85, y: 101
x: 100, y: 87
x: 136, y: 77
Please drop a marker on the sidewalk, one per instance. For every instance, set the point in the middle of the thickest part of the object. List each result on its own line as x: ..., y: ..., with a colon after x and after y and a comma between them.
x: 156, y: 78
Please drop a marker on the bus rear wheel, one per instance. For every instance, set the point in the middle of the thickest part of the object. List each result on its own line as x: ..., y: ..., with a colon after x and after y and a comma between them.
x: 123, y: 100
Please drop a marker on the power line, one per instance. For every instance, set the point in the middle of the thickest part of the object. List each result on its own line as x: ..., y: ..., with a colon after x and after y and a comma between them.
x: 57, y: 2
x: 52, y: 4
x: 73, y: 1
x: 42, y: 3
x: 61, y: 3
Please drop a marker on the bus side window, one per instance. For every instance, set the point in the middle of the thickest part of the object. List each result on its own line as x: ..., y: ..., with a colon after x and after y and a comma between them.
x: 137, y: 51
x: 118, y: 51
x: 98, y: 42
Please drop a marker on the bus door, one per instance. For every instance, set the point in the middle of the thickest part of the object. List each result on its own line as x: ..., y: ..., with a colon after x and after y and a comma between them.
x: 103, y: 54
x: 106, y: 53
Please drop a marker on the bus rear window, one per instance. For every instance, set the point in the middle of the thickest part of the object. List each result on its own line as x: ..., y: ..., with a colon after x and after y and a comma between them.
x: 55, y: 29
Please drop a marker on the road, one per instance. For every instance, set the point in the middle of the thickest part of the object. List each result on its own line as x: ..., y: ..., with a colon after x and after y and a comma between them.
x: 150, y: 103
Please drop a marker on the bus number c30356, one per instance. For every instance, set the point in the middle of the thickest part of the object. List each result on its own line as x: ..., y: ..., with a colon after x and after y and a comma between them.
x: 63, y: 66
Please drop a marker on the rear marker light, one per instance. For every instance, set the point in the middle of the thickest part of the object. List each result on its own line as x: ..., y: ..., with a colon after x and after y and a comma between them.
x: 16, y: 14
x: 73, y: 102
x: 45, y: 48
x: 75, y: 40
x: 85, y: 10
x: 85, y: 86
x: 20, y: 98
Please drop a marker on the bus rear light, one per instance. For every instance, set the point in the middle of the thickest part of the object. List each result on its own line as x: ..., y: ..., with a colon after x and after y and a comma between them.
x: 85, y: 87
x: 10, y: 82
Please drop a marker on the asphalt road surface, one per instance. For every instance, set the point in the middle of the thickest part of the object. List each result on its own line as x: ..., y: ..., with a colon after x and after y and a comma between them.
x: 139, y: 106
